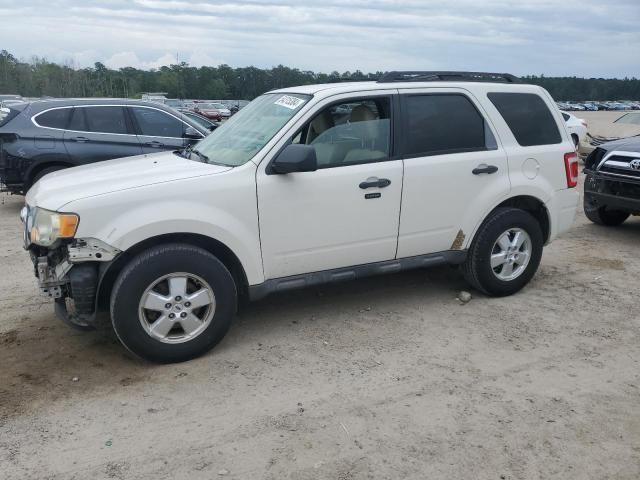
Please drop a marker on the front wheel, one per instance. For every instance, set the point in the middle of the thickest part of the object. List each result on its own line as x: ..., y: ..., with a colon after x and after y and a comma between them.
x: 602, y: 215
x: 173, y: 303
x: 505, y: 253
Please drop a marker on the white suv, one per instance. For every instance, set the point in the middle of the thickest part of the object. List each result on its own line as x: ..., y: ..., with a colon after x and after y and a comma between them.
x: 307, y: 185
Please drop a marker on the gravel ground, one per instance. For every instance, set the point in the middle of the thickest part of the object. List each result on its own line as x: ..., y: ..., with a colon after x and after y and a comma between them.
x: 386, y: 378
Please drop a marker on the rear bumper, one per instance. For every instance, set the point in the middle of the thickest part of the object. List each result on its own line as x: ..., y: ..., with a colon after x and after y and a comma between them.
x: 11, y: 180
x: 585, y: 149
x: 562, y: 210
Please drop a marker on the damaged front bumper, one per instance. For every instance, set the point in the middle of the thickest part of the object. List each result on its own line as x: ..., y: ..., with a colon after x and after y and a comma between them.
x: 69, y: 274
x: 615, y: 192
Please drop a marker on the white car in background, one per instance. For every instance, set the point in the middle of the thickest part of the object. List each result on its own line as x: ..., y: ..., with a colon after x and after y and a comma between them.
x: 577, y: 128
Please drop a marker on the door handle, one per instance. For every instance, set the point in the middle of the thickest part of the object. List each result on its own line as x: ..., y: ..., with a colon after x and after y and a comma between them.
x: 154, y: 144
x: 373, y: 182
x: 80, y: 139
x: 484, y: 168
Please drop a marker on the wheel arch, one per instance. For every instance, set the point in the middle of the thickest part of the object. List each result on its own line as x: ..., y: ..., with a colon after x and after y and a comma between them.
x: 43, y: 165
x: 576, y: 139
x: 528, y: 203
x: 110, y: 272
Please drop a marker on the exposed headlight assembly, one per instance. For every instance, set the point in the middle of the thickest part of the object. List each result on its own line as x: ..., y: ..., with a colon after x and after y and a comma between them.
x: 47, y: 226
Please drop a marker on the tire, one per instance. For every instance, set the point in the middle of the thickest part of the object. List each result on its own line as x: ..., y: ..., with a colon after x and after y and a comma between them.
x: 601, y: 215
x: 45, y: 171
x: 503, y: 222
x: 160, y: 266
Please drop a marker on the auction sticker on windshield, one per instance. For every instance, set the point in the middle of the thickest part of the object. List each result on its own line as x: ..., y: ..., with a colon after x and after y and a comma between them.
x: 289, y: 102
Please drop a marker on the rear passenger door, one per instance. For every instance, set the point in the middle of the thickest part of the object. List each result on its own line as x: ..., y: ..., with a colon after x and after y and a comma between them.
x: 535, y: 138
x: 97, y: 133
x: 454, y: 168
x: 158, y: 130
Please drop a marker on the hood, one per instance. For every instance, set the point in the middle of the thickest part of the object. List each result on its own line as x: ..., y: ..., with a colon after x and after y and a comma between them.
x: 617, y: 130
x: 631, y: 144
x: 59, y: 188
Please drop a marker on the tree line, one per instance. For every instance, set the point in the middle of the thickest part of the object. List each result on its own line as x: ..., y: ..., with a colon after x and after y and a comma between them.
x: 40, y: 77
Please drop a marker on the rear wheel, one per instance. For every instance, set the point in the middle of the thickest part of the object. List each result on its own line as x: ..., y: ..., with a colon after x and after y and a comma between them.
x: 505, y: 253
x: 601, y: 215
x: 173, y: 303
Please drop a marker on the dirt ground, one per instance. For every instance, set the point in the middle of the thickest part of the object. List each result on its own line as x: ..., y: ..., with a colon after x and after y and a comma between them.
x: 386, y: 378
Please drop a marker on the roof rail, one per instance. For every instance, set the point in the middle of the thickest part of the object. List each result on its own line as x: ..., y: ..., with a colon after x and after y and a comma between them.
x: 416, y: 76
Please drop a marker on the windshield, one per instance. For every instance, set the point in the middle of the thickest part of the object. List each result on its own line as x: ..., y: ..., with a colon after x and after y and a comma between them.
x: 632, y: 118
x: 243, y: 135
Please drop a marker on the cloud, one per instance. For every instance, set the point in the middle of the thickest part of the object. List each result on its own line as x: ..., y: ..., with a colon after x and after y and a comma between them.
x: 201, y: 58
x: 554, y: 37
x: 130, y: 59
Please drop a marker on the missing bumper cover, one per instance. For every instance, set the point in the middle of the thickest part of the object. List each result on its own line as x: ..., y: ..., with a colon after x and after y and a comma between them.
x: 91, y: 250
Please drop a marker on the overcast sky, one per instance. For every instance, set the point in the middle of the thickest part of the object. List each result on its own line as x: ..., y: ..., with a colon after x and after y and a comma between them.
x: 553, y: 37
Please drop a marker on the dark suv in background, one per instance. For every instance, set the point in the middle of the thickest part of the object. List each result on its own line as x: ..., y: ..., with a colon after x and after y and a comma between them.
x: 43, y: 136
x: 612, y: 185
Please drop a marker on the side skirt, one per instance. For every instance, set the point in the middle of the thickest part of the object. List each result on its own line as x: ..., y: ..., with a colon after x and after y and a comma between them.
x: 449, y: 257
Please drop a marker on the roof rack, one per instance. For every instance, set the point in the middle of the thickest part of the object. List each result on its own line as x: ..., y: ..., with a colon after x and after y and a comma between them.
x: 414, y: 76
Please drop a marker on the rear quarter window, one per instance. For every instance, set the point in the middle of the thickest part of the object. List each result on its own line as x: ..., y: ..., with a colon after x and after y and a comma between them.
x: 6, y: 115
x: 56, y: 118
x: 528, y: 118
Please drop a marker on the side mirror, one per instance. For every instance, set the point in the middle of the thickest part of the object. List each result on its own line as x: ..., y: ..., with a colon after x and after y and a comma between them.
x: 295, y: 158
x: 192, y: 133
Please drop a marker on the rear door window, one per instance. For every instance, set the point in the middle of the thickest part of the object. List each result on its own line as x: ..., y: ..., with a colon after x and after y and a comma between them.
x: 443, y: 123
x: 106, y: 119
x: 78, y: 122
x: 56, y: 118
x: 528, y: 118
x: 155, y: 123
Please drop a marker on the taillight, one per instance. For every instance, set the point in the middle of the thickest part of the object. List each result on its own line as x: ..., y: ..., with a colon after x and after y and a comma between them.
x: 572, y: 169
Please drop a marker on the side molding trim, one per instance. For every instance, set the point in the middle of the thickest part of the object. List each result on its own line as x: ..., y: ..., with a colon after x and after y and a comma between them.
x: 449, y: 257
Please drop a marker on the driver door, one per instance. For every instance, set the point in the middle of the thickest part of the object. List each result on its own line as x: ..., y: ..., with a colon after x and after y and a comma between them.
x: 158, y: 130
x: 347, y: 212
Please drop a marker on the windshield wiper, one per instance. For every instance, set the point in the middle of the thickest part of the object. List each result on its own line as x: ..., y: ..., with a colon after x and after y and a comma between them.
x: 190, y: 151
x: 200, y: 155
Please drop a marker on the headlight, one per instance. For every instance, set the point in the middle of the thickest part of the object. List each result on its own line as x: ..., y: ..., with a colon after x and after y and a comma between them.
x: 49, y: 226
x: 24, y: 213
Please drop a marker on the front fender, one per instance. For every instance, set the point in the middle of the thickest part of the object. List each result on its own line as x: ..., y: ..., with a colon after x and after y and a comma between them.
x: 228, y: 215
